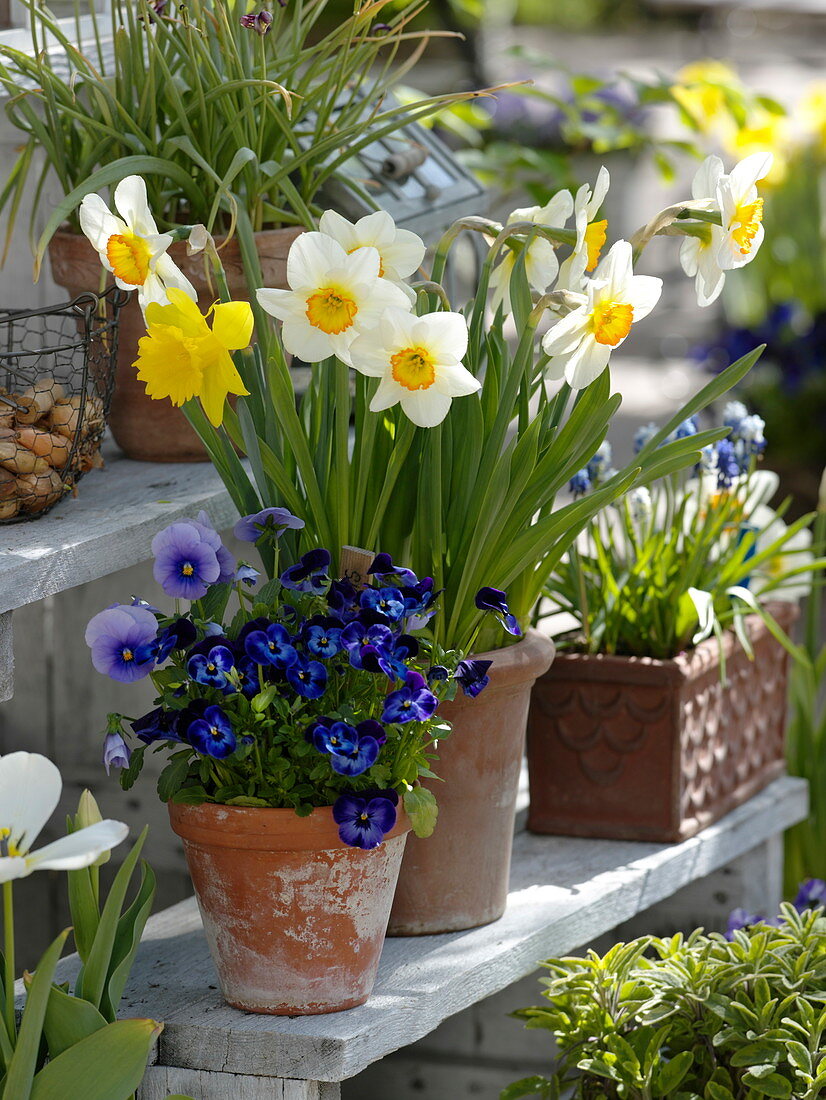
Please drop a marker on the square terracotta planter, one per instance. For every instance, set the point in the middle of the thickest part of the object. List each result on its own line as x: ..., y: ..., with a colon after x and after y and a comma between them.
x: 642, y: 749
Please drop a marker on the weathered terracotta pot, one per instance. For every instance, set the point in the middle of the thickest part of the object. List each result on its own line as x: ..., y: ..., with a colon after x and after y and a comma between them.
x: 147, y: 430
x: 641, y: 749
x: 458, y: 877
x: 295, y: 919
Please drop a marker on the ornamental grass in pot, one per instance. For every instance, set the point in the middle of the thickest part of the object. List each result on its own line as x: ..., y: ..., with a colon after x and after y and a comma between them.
x: 298, y: 726
x: 427, y: 432
x: 236, y: 120
x: 667, y: 705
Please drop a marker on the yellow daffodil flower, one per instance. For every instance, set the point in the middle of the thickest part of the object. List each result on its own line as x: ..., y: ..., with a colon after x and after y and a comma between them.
x: 181, y: 357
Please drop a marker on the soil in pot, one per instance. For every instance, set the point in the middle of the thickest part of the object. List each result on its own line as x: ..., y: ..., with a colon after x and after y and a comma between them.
x: 147, y: 430
x: 458, y: 877
x: 295, y: 919
x: 640, y: 749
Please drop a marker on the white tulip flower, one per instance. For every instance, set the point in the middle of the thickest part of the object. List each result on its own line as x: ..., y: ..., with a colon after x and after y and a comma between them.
x: 30, y: 787
x: 130, y: 246
x: 795, y: 553
x: 419, y: 362
x: 590, y: 234
x: 699, y: 256
x: 741, y: 210
x: 581, y: 342
x: 401, y: 252
x: 334, y: 296
x: 541, y: 263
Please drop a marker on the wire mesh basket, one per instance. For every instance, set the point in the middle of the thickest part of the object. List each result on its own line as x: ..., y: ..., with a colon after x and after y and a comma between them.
x: 57, y: 373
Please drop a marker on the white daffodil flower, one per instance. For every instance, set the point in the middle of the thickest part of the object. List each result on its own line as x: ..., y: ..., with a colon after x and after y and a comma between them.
x: 401, y: 252
x: 795, y: 553
x: 419, y: 362
x: 699, y: 256
x: 581, y: 342
x: 334, y: 296
x: 130, y: 246
x: 30, y: 787
x: 541, y: 263
x: 590, y: 234
x: 741, y: 210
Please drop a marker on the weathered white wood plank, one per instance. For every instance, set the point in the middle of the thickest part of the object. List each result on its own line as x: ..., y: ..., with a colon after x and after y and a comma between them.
x: 564, y: 892
x: 6, y: 658
x: 109, y: 526
x: 161, y: 1081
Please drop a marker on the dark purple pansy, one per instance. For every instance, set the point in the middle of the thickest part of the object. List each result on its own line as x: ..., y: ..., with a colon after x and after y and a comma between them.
x: 247, y: 673
x: 411, y: 703
x: 269, y: 521
x: 492, y: 599
x: 213, y: 734
x: 472, y: 676
x: 391, y: 659
x: 308, y: 678
x: 436, y: 673
x: 383, y: 567
x: 178, y: 635
x: 739, y: 919
x: 310, y: 574
x: 342, y: 600
x: 116, y: 752
x: 364, y: 822
x: 387, y: 601
x: 121, y: 640
x: 212, y: 669
x: 811, y: 895
x: 157, y: 725
x: 272, y: 646
x: 185, y: 563
x: 323, y: 641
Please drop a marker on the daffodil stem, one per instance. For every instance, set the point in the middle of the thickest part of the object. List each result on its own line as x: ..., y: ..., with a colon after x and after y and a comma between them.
x: 8, y: 949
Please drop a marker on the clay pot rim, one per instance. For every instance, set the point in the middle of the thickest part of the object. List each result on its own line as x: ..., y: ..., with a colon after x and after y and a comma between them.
x: 265, y: 828
x: 688, y: 664
x: 524, y: 660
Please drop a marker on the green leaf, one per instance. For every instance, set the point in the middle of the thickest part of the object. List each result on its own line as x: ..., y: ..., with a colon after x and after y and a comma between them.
x: 528, y: 1086
x: 775, y: 1085
x: 714, y: 1091
x: 107, y: 1065
x: 421, y: 807
x: 128, y: 937
x: 263, y: 699
x: 172, y: 778
x: 84, y: 907
x: 68, y: 1020
x: 672, y: 1073
x: 214, y: 603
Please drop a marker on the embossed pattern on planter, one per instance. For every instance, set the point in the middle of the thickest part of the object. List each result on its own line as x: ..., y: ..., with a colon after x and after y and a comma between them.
x: 656, y: 750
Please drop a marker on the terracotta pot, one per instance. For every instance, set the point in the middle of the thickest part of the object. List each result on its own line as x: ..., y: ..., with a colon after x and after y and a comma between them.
x: 458, y: 877
x: 294, y: 918
x: 641, y: 749
x: 147, y: 430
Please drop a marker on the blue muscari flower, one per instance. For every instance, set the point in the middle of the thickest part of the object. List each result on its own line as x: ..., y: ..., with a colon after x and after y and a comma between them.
x: 643, y: 434
x: 247, y: 575
x: 472, y: 676
x: 356, y: 636
x: 363, y: 822
x: 751, y: 433
x: 411, y: 703
x: 308, y: 678
x: 116, y: 753
x: 600, y: 464
x: 733, y: 415
x: 580, y: 483
x: 269, y: 521
x: 213, y: 734
x: 387, y: 601
x: 272, y: 646
x: 212, y: 669
x: 684, y: 430
x: 492, y: 599
x: 811, y: 895
x: 323, y: 641
x: 383, y: 567
x: 310, y: 574
x: 728, y: 466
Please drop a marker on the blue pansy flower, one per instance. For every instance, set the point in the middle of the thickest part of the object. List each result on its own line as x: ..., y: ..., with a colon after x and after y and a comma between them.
x: 352, y: 750
x: 472, y: 676
x: 357, y: 636
x: 383, y: 567
x: 364, y: 822
x: 178, y: 635
x: 323, y: 641
x: 308, y: 678
x: 186, y: 563
x: 493, y: 599
x: 247, y: 575
x: 811, y: 895
x: 357, y: 760
x: 247, y: 673
x: 212, y: 669
x: 310, y: 574
x: 387, y: 601
x: 437, y: 673
x: 226, y: 561
x: 213, y: 734
x: 116, y: 753
x: 391, y: 659
x: 580, y: 483
x: 121, y: 639
x: 412, y: 703
x: 269, y: 521
x: 329, y: 736
x: 272, y: 646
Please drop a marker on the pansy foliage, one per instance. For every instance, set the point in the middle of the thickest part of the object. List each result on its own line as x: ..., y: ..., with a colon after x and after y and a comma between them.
x: 315, y: 692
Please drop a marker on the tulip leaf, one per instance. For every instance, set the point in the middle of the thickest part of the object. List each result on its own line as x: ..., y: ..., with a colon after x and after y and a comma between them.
x: 84, y: 908
x: 68, y: 1020
x: 107, y: 1065
x: 21, y: 1070
x: 128, y: 937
